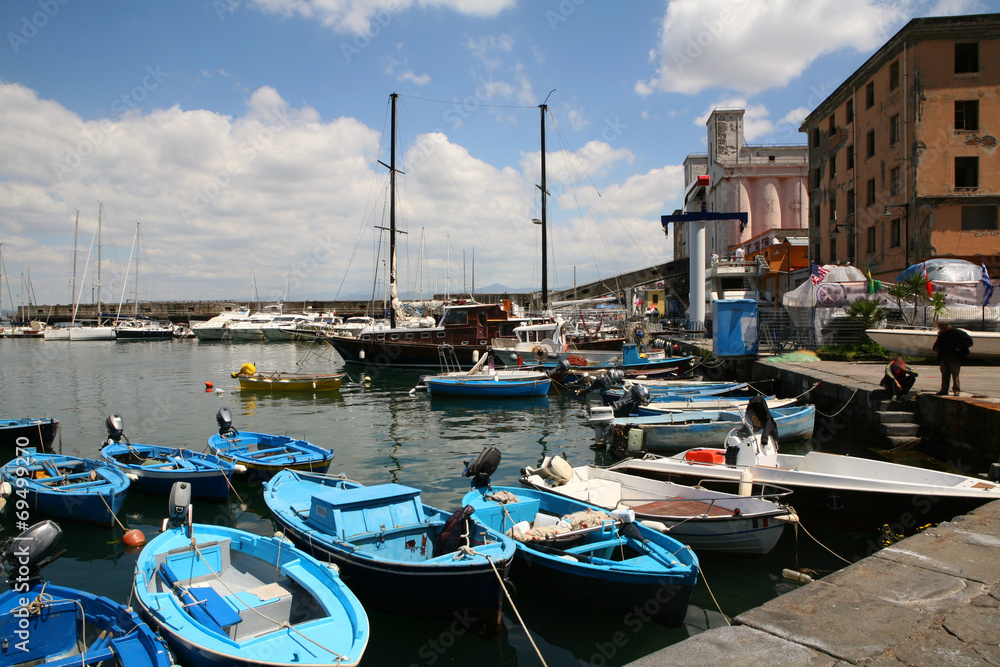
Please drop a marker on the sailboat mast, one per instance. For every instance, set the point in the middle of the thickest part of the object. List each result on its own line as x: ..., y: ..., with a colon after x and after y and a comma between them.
x: 545, y: 246
x: 392, y: 213
x: 135, y: 311
x: 76, y: 234
x: 100, y: 215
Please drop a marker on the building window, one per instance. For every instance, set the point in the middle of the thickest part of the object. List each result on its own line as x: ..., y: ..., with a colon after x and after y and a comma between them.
x: 850, y: 111
x: 894, y: 234
x: 967, y: 114
x: 870, y: 199
x: 850, y: 156
x: 966, y: 57
x: 967, y: 172
x: 833, y: 125
x: 894, y: 75
x: 979, y: 217
x: 870, y: 95
x: 894, y: 181
x: 815, y: 178
x: 833, y: 250
x: 816, y: 215
x: 894, y: 130
x: 815, y: 137
x: 833, y: 206
x: 870, y: 149
x: 833, y: 166
x: 850, y: 203
x: 871, y: 239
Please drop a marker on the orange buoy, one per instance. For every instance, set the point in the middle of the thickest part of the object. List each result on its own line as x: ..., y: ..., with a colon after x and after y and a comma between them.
x: 134, y: 538
x: 208, y: 386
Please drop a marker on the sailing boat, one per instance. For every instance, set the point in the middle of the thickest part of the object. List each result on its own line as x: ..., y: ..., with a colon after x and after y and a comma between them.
x: 139, y: 328
x: 467, y: 327
x: 57, y: 332
x: 97, y: 331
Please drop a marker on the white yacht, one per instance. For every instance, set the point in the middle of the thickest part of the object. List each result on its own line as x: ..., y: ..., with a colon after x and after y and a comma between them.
x: 252, y: 327
x: 217, y: 328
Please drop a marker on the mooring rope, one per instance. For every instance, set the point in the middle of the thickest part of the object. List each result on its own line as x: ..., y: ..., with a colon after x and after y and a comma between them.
x: 520, y: 620
x: 842, y: 408
x: 717, y: 605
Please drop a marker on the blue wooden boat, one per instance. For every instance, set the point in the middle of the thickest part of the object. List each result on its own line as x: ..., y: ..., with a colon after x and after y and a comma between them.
x: 605, y: 564
x: 262, y: 454
x: 457, y: 386
x: 27, y: 432
x: 677, y: 431
x: 49, y: 630
x: 694, y: 390
x: 395, y: 552
x: 67, y: 487
x: 153, y: 469
x: 222, y: 596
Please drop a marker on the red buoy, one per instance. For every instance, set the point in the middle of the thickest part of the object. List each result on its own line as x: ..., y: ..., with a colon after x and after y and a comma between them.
x: 209, y: 386
x: 134, y: 538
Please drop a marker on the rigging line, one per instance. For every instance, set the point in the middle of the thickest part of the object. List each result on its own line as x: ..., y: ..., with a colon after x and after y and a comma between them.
x: 368, y: 202
x: 471, y: 210
x: 478, y: 104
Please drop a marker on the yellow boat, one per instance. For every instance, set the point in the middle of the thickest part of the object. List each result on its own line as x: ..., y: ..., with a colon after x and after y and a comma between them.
x: 291, y: 381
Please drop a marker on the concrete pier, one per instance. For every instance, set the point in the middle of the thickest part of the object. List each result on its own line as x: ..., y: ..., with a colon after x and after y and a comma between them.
x: 931, y: 599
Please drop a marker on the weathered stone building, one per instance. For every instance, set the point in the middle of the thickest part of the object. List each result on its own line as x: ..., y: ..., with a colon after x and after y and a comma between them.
x: 903, y: 161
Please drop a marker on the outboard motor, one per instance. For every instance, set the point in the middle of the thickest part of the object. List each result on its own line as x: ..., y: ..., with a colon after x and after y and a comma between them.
x: 178, y: 506
x: 560, y: 369
x: 116, y: 428
x: 24, y: 556
x: 636, y: 395
x: 225, y: 419
x: 483, y: 467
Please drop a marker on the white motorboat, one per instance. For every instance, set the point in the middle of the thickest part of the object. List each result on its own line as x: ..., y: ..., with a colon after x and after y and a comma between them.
x: 706, y: 520
x: 217, y: 327
x: 831, y: 488
x: 483, y: 371
x: 282, y: 327
x: 252, y: 328
x: 920, y: 342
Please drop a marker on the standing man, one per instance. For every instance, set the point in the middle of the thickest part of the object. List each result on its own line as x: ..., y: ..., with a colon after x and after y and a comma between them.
x: 952, y: 345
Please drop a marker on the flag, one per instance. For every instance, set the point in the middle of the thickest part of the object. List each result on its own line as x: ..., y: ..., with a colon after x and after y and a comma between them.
x: 987, y: 286
x: 930, y: 287
x: 873, y: 285
x: 818, y: 273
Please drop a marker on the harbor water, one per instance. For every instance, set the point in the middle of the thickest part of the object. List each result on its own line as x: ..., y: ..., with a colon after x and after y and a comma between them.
x: 380, y: 433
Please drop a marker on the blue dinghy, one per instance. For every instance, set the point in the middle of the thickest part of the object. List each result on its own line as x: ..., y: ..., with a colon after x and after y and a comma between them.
x: 397, y: 553
x: 153, y: 469
x: 67, y: 487
x: 222, y: 596
x: 575, y: 551
x: 262, y: 454
x: 456, y: 386
x: 677, y: 431
x: 41, y: 623
x: 28, y: 432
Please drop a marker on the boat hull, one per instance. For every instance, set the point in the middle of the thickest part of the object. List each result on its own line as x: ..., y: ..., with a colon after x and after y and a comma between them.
x: 291, y: 382
x: 53, y: 635
x: 139, y: 333
x: 38, y: 433
x: 480, y: 389
x: 386, y: 353
x: 209, y: 333
x: 264, y: 455
x: 91, y: 333
x: 794, y: 424
x: 207, y: 474
x: 918, y: 342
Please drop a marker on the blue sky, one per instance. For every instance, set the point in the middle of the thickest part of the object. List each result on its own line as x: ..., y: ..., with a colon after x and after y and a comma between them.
x: 244, y: 134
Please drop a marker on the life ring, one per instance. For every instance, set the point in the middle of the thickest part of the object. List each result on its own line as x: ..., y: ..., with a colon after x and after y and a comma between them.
x: 539, y: 353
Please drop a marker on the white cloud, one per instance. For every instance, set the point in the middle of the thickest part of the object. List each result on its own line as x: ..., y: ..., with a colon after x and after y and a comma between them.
x: 756, y: 123
x: 358, y: 16
x: 280, y: 189
x: 487, y: 47
x: 420, y: 80
x: 794, y: 117
x: 577, y: 120
x: 752, y: 46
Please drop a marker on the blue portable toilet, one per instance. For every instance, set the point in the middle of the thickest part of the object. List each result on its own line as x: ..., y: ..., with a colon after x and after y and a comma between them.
x: 734, y: 323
